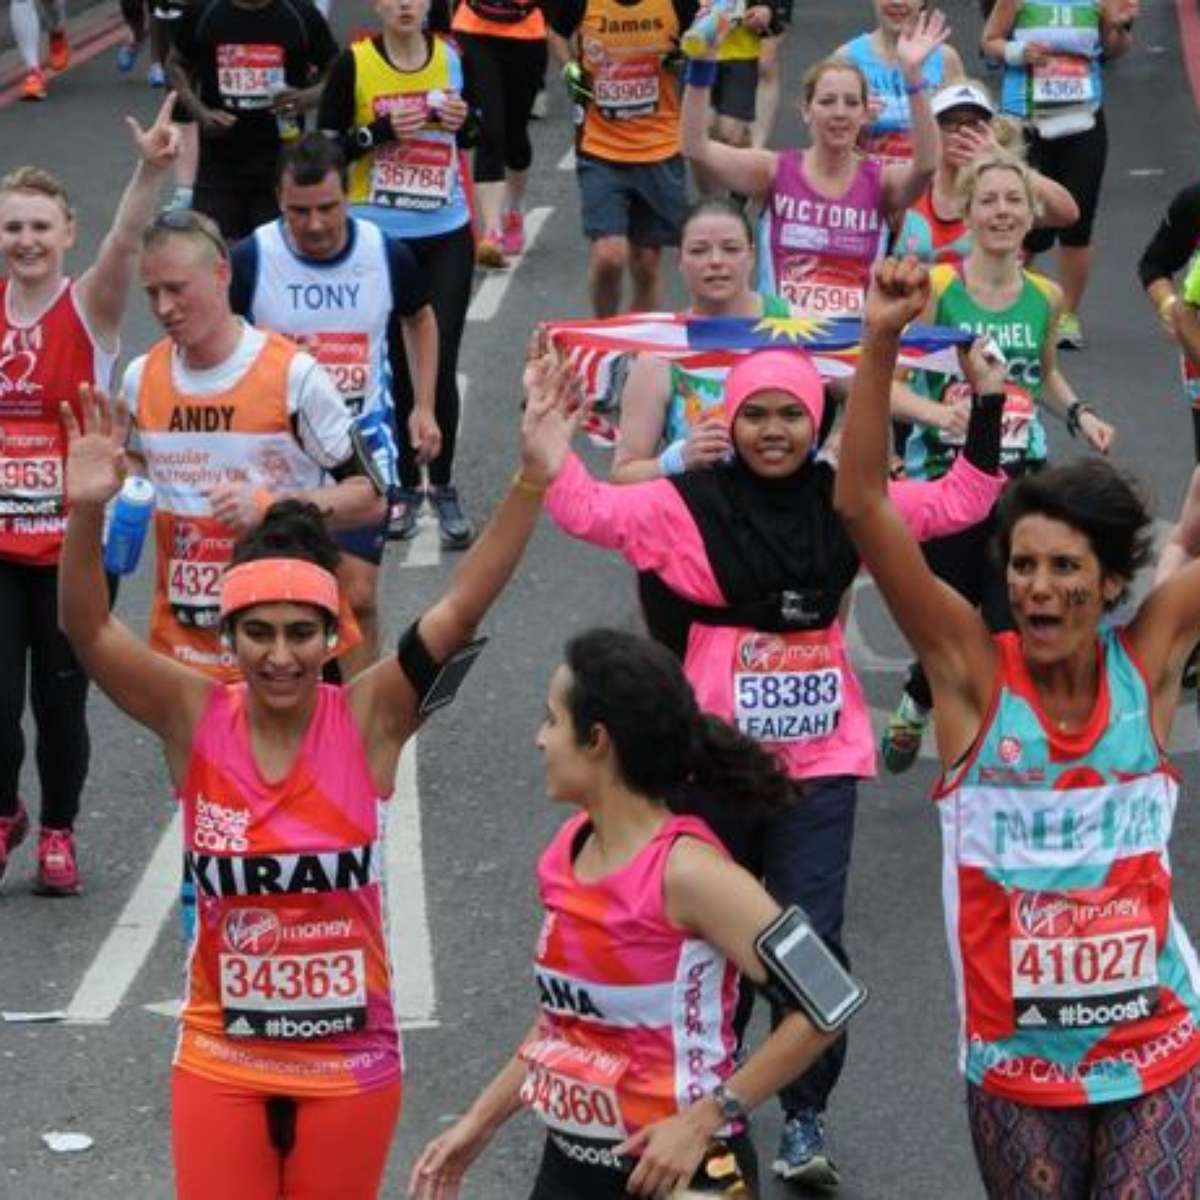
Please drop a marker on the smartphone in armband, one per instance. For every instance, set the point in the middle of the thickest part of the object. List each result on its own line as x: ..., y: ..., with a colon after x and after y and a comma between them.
x: 805, y: 969
x: 449, y: 678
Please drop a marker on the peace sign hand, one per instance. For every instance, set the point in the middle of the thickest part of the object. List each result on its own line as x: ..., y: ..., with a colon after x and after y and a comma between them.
x: 919, y: 41
x: 96, y: 465
x: 158, y: 145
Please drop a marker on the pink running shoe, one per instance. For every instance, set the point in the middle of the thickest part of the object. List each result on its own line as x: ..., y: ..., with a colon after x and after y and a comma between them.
x: 57, y: 872
x: 512, y: 236
x: 13, y: 831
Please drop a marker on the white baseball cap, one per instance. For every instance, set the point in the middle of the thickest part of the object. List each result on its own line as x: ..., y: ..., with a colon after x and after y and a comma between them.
x: 963, y: 95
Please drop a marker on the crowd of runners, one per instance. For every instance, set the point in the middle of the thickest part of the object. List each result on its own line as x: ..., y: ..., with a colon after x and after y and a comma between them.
x: 306, y: 222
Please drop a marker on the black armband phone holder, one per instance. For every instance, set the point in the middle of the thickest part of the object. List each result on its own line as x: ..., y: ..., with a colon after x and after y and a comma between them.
x: 436, y: 684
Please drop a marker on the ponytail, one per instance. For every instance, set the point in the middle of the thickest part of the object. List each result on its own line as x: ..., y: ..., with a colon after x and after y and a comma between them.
x: 664, y: 746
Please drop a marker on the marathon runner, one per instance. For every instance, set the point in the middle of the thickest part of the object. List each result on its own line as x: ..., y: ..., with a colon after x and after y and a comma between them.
x: 646, y: 921
x: 286, y: 1080
x: 748, y: 572
x: 632, y: 179
x: 888, y: 133
x: 825, y: 209
x: 26, y: 17
x: 992, y: 294
x: 1077, y: 986
x: 397, y: 102
x: 1051, y: 53
x: 55, y: 334
x: 339, y: 287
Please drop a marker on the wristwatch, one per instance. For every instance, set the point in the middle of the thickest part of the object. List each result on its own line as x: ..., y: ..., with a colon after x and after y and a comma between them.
x: 364, y: 139
x: 729, y: 1104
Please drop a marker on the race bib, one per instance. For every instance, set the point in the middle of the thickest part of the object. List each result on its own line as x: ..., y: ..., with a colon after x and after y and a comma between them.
x: 290, y: 977
x: 200, y: 549
x: 1063, y: 79
x: 1084, y: 959
x: 32, y: 472
x: 817, y: 287
x: 248, y: 75
x: 627, y: 87
x: 574, y: 1088
x: 787, y: 687
x: 416, y: 174
x: 346, y: 357
x: 894, y: 146
x: 1016, y: 420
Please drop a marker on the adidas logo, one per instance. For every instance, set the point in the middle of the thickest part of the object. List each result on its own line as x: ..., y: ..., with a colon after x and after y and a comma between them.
x: 1031, y: 1016
x: 240, y: 1028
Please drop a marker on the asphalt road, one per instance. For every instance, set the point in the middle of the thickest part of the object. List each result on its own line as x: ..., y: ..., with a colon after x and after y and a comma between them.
x: 897, y: 1118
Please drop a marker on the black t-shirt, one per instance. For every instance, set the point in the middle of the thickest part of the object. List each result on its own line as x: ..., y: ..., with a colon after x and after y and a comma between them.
x: 1175, y: 239
x: 236, y: 56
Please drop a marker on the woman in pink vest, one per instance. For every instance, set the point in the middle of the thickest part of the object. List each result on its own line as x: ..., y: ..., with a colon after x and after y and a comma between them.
x: 826, y: 210
x: 631, y: 1060
x: 286, y: 1076
x: 55, y: 333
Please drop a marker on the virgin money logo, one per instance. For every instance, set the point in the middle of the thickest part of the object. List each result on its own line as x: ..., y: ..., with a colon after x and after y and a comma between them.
x: 1043, y: 915
x: 253, y: 931
x: 185, y: 540
x: 762, y: 652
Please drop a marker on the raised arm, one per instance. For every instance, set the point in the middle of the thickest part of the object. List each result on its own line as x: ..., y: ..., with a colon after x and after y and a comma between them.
x: 750, y: 172
x: 165, y: 696
x: 904, y: 184
x: 103, y: 288
x: 949, y: 636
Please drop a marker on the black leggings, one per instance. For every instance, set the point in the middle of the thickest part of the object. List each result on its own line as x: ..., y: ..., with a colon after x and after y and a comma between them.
x: 30, y: 642
x: 505, y: 74
x: 1077, y: 163
x: 447, y: 262
x: 134, y: 14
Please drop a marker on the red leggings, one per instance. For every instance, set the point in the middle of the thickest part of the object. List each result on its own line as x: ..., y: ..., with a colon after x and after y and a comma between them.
x: 224, y: 1146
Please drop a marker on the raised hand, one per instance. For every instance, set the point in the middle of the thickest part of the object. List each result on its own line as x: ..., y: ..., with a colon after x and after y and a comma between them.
x: 898, y: 294
x: 158, y: 145
x: 554, y: 410
x: 919, y: 41
x: 96, y: 465
x: 707, y: 443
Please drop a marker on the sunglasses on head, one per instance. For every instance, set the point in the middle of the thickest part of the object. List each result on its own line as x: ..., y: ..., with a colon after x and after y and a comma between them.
x: 184, y: 220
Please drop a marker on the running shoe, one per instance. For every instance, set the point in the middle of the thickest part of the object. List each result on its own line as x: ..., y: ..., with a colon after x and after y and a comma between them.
x: 60, y: 52
x: 803, y: 1157
x: 127, y: 55
x: 13, y: 831
x: 156, y: 77
x: 456, y: 531
x: 34, y: 87
x: 489, y: 252
x: 57, y: 871
x: 402, y: 520
x: 512, y: 236
x: 902, y: 738
x: 541, y: 106
x: 1070, y: 332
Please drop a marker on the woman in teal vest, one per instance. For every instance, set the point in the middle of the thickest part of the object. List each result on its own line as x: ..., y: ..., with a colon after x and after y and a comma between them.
x: 1077, y: 986
x: 1051, y: 51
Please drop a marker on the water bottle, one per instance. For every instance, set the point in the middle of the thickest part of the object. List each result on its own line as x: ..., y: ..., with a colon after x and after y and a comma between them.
x: 287, y: 124
x: 708, y: 31
x: 127, y: 527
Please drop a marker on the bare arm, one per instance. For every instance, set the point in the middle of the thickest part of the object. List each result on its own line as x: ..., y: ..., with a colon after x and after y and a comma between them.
x: 1060, y: 397
x: 997, y: 30
x: 420, y: 333
x: 1116, y: 26
x: 750, y: 172
x: 104, y: 287
x: 904, y: 184
x: 949, y: 636
x: 644, y: 401
x: 1186, y: 321
x: 165, y: 696
x: 1059, y: 209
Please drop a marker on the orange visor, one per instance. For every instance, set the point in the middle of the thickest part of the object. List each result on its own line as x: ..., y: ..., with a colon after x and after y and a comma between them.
x: 276, y: 581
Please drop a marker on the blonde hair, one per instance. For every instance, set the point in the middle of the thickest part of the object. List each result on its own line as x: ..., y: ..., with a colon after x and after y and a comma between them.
x: 967, y: 183
x: 195, y: 227
x: 833, y: 63
x: 38, y: 182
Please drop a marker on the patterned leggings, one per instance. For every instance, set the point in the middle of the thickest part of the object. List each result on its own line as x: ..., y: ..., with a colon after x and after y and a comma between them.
x: 1143, y: 1149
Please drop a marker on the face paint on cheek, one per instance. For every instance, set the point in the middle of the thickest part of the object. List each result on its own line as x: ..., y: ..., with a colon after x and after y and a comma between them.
x: 1078, y: 597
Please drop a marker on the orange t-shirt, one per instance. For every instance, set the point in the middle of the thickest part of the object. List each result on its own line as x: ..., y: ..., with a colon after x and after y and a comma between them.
x: 531, y: 28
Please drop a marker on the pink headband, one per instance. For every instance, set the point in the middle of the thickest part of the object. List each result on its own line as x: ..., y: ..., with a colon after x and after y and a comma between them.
x: 278, y: 580
x: 788, y: 371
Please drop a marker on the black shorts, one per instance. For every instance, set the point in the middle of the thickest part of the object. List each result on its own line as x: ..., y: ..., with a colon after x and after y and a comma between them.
x: 734, y: 92
x: 1077, y: 162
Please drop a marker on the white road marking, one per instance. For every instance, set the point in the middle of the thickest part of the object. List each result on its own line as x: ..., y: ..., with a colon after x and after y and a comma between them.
x: 408, y: 924
x: 425, y: 549
x: 464, y: 386
x: 567, y: 162
x: 486, y: 302
x: 1147, y: 172
x: 132, y: 938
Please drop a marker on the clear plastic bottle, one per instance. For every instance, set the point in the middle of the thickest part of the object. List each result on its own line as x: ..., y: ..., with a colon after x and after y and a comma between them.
x: 709, y: 29
x: 288, y: 124
x: 127, y: 525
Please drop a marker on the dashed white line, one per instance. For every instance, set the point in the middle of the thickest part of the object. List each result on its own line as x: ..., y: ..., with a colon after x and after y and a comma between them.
x: 567, y: 162
x: 486, y: 302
